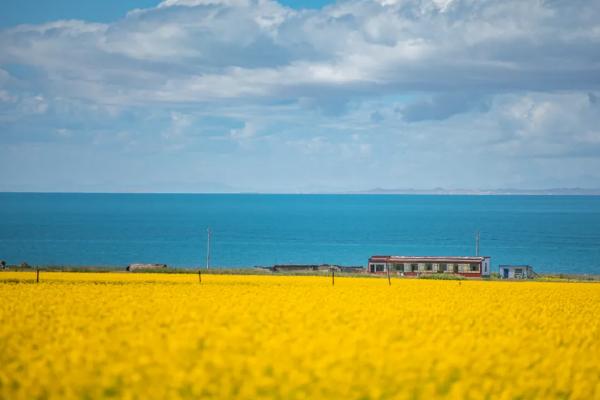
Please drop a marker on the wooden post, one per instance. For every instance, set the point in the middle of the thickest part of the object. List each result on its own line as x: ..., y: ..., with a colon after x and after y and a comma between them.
x: 388, y: 273
x: 332, y: 277
x: 37, y: 275
x: 199, y: 275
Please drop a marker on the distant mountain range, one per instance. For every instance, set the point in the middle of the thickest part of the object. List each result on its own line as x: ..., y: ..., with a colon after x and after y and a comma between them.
x: 505, y: 191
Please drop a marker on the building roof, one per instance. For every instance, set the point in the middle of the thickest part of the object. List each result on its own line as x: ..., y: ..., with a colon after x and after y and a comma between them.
x: 431, y: 259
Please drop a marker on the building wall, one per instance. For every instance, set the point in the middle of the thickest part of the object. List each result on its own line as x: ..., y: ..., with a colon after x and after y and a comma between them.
x: 512, y: 270
x: 486, y: 267
x: 395, y: 268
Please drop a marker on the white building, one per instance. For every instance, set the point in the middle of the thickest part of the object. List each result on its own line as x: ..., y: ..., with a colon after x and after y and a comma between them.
x: 516, y: 272
x: 473, y: 267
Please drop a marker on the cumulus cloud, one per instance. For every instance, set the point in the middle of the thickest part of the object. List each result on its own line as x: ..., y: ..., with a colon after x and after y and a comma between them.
x: 199, y: 50
x: 360, y: 79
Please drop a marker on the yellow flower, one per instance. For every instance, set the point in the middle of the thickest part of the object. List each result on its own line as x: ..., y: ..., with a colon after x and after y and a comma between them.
x: 145, y: 336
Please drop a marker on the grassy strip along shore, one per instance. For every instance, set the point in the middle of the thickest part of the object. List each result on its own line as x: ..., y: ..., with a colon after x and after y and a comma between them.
x: 266, y: 271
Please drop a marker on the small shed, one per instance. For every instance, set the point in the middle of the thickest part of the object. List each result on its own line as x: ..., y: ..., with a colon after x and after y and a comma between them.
x: 516, y: 272
x: 294, y: 268
x: 145, y: 267
x: 304, y: 267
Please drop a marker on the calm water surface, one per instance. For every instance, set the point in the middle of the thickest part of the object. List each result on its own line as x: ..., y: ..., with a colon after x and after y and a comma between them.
x: 552, y: 233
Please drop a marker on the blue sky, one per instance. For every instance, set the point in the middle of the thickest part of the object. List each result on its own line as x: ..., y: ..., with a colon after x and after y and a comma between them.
x: 15, y: 12
x: 265, y: 96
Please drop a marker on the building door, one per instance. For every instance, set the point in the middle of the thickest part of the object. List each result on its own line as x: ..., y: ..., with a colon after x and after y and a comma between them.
x: 505, y: 273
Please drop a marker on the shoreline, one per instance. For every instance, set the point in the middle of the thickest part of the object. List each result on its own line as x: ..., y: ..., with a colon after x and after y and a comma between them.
x: 260, y: 270
x: 558, y: 192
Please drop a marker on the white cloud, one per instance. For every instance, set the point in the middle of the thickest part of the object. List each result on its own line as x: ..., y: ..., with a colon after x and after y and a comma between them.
x: 248, y: 131
x: 33, y: 105
x: 389, y: 89
x: 179, y: 123
x: 259, y: 48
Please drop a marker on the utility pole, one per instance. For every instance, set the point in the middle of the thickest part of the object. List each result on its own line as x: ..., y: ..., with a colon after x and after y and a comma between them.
x: 387, y: 267
x: 477, y: 244
x: 207, y: 248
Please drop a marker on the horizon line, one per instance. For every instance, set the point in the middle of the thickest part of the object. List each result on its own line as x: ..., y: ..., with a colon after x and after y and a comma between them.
x: 370, y: 192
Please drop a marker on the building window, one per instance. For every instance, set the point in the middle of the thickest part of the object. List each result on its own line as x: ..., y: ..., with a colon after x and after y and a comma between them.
x: 379, y: 267
x: 474, y: 267
x: 399, y: 267
x: 443, y: 267
x: 414, y: 267
x: 428, y: 267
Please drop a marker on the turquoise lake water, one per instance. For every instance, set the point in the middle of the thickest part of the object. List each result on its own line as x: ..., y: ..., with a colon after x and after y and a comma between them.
x: 552, y: 233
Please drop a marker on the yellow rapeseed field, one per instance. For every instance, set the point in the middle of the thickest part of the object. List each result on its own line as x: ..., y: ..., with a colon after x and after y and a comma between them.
x: 159, y: 336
